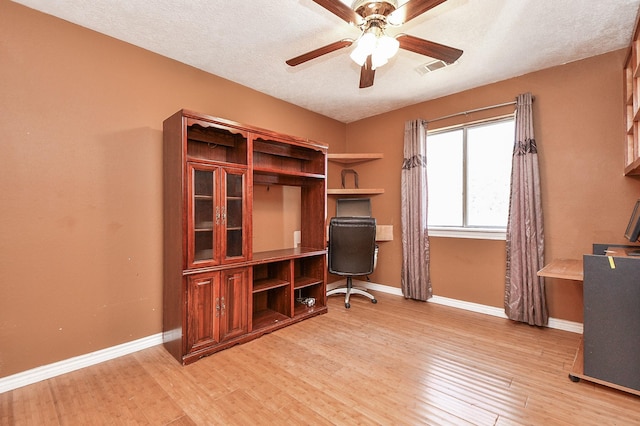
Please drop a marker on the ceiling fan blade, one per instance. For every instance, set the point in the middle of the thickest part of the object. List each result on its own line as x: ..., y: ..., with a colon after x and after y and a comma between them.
x: 319, y: 52
x: 341, y: 10
x: 367, y: 73
x: 429, y: 48
x: 412, y: 9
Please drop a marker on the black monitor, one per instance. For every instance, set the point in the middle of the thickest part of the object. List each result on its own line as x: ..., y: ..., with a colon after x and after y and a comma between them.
x: 633, y: 228
x: 353, y: 207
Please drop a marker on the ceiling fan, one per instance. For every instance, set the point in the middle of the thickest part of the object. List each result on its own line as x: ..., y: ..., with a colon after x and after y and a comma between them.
x: 374, y: 47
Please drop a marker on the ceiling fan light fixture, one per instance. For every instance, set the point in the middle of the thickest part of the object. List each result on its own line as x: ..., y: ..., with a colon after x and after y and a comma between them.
x: 358, y: 56
x: 378, y: 59
x: 376, y: 43
x: 365, y: 46
x: 367, y: 42
x: 388, y: 46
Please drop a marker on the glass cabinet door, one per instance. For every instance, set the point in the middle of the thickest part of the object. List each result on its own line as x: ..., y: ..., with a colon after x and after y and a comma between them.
x: 203, y: 215
x: 217, y: 215
x: 233, y: 214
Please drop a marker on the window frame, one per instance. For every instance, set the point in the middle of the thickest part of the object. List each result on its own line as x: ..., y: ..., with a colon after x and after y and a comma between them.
x: 471, y: 232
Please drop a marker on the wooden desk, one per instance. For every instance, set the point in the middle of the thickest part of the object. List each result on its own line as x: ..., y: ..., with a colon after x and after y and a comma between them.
x: 573, y: 269
x: 568, y: 269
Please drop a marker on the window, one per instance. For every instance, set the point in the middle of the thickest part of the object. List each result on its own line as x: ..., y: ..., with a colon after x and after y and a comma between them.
x: 469, y: 175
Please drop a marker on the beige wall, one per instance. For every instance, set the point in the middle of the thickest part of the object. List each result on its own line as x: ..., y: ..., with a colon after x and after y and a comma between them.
x: 579, y: 130
x: 276, y: 216
x: 80, y: 178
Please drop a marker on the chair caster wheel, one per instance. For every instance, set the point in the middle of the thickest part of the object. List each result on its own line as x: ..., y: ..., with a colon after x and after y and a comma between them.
x: 374, y: 301
x: 574, y: 378
x: 347, y: 305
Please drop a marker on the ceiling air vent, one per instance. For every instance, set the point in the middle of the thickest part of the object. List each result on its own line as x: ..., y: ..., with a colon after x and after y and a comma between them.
x: 431, y: 66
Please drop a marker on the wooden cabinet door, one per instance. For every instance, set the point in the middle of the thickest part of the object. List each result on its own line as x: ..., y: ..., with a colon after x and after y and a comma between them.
x: 234, y: 303
x: 217, y: 215
x: 233, y: 204
x: 203, y: 311
x: 203, y: 215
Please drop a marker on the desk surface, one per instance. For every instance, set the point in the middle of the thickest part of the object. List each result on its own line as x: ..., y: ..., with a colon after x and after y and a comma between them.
x: 569, y: 269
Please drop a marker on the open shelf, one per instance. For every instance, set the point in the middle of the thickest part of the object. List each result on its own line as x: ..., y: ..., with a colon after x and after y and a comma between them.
x: 355, y: 191
x: 274, y: 156
x: 631, y: 107
x: 275, y: 300
x: 351, y: 158
x: 271, y: 171
x: 266, y: 318
x: 302, y: 282
x: 213, y: 142
x: 310, y: 290
x: 268, y: 284
x: 271, y: 275
x: 271, y: 293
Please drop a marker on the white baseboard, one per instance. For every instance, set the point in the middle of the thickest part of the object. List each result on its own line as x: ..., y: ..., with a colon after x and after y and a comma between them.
x: 68, y: 365
x: 560, y: 324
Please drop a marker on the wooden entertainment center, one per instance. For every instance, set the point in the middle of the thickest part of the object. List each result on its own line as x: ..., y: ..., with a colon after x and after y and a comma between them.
x: 217, y: 291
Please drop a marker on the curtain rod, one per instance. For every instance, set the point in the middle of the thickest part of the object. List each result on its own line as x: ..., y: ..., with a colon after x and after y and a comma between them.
x: 471, y: 111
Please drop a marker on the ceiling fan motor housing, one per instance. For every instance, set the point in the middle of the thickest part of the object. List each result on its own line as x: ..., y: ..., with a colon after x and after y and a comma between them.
x: 367, y: 8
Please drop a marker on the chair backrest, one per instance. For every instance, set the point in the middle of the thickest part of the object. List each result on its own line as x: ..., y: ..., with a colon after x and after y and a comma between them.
x: 353, y: 207
x: 352, y: 244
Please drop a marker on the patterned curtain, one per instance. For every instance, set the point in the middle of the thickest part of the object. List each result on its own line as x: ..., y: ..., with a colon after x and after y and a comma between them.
x: 525, y: 298
x: 416, y: 283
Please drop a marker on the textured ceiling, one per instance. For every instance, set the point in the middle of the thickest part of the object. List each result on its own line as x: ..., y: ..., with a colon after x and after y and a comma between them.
x: 248, y: 41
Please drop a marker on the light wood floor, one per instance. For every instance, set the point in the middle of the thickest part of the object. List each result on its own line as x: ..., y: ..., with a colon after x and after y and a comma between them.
x: 395, y: 363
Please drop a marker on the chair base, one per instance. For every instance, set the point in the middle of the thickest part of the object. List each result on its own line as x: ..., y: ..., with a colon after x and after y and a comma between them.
x: 349, y: 290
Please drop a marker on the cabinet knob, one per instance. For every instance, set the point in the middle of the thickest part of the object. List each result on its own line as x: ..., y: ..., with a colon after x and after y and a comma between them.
x: 217, y: 307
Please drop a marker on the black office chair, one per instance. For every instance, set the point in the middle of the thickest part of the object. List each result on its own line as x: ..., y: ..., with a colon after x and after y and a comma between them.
x: 352, y: 252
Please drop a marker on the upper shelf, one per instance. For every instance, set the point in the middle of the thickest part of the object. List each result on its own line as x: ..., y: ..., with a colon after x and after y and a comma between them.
x: 353, y: 158
x: 355, y: 191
